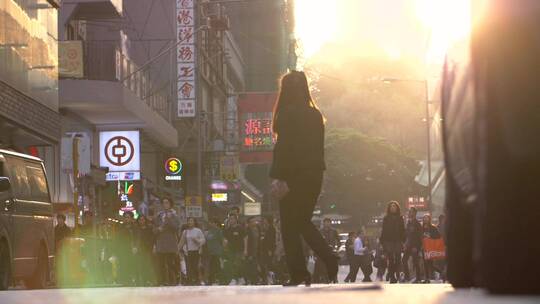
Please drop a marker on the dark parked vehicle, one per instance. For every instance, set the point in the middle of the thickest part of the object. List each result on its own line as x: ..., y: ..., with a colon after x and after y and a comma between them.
x: 491, y: 127
x: 26, y: 221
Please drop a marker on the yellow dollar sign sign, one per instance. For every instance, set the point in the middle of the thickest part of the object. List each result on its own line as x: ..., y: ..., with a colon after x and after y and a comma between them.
x: 173, y: 166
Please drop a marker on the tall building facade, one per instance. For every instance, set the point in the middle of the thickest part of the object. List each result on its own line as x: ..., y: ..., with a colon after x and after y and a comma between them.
x: 117, y: 98
x: 29, y: 108
x: 265, y: 32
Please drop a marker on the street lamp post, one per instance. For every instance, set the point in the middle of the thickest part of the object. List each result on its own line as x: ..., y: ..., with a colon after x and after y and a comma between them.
x: 424, y: 83
x: 428, y: 134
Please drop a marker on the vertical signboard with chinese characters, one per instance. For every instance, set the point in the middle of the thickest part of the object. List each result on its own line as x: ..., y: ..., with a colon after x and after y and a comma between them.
x: 186, y: 59
x: 257, y: 131
x: 255, y: 127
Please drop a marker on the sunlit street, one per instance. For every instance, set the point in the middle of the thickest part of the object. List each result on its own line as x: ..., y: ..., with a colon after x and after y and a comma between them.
x: 264, y: 294
x: 269, y: 151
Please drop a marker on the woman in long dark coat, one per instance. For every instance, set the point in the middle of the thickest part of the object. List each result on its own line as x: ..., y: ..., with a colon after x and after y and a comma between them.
x: 392, y: 239
x: 297, y: 170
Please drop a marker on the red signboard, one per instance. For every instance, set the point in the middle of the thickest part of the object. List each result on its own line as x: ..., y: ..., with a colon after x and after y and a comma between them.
x: 257, y: 132
x: 255, y: 111
x: 417, y: 202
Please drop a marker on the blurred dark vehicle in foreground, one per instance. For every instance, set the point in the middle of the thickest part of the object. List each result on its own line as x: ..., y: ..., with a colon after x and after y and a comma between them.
x: 26, y: 222
x: 491, y: 126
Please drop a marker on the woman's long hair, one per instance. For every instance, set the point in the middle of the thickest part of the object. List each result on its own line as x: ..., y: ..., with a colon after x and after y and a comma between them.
x: 389, y: 206
x: 294, y: 90
x: 428, y: 223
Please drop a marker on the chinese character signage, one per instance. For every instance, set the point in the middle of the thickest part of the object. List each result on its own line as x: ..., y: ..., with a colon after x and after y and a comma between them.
x: 185, y: 52
x: 417, y: 202
x: 257, y: 132
x: 255, y: 127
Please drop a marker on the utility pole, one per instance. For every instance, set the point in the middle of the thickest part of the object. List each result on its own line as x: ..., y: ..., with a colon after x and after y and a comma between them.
x: 428, y: 133
x: 75, y: 158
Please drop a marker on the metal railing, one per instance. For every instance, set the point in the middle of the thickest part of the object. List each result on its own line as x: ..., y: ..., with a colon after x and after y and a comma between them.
x: 105, y: 61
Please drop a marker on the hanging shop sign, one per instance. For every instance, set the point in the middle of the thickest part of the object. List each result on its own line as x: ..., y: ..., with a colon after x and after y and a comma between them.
x: 219, y: 197
x: 418, y: 202
x: 194, y: 211
x: 125, y: 194
x: 120, y: 152
x: 256, y: 138
x: 173, y: 169
x: 252, y: 209
x: 257, y: 132
x: 70, y: 59
x: 228, y: 168
x: 186, y: 58
x: 194, y: 206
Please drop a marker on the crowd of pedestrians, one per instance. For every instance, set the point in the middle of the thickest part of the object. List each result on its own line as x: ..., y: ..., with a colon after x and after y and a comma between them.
x: 402, y: 243
x: 162, y: 251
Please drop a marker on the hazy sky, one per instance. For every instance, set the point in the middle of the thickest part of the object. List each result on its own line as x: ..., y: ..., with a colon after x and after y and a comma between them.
x: 396, y: 28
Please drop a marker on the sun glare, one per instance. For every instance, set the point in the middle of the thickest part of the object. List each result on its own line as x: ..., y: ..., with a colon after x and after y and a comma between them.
x: 392, y: 52
x: 316, y: 22
x: 400, y: 30
x: 448, y: 21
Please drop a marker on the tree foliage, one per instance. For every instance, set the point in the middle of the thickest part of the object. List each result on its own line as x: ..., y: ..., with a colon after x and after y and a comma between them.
x: 364, y: 172
x: 352, y: 93
x: 375, y: 128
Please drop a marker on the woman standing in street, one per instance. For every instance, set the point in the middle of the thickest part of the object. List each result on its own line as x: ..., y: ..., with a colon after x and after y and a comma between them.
x: 297, y: 171
x: 166, y: 228
x: 392, y: 238
x: 192, y: 241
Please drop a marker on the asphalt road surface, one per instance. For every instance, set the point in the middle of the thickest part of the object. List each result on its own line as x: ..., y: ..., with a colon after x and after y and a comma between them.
x: 323, y: 294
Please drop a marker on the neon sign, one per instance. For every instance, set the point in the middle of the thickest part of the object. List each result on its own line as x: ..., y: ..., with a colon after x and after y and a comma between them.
x: 128, y: 190
x: 173, y: 168
x: 258, y: 133
x: 219, y: 197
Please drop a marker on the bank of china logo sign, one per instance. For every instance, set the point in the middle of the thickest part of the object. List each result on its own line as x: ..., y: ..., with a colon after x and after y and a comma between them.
x: 173, y: 168
x: 120, y: 152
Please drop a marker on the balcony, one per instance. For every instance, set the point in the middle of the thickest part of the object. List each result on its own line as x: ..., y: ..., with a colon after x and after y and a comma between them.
x: 104, y: 95
x: 96, y: 9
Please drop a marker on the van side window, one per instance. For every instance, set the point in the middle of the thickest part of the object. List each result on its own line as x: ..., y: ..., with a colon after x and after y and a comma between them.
x: 37, y: 181
x: 16, y: 171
